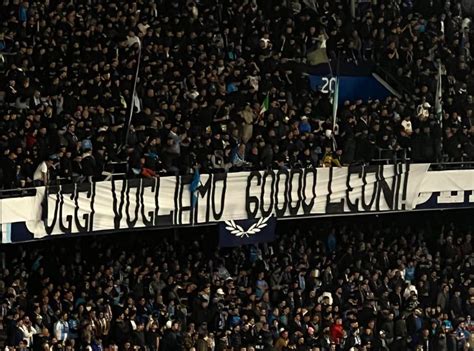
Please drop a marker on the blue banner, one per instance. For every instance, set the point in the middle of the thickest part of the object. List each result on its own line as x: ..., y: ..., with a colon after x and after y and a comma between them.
x: 350, y: 87
x: 446, y: 200
x: 246, y: 232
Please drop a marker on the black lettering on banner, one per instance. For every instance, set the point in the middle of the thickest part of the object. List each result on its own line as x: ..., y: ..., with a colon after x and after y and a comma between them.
x: 378, y: 183
x: 333, y: 207
x: 252, y: 200
x: 352, y: 206
x: 405, y: 186
x: 89, y: 188
x: 133, y: 184
x: 294, y: 209
x: 166, y: 219
x: 66, y: 225
x: 149, y: 218
x: 65, y: 228
x: 367, y: 171
x: 267, y: 212
x: 176, y: 194
x: 308, y: 207
x: 203, y: 190
x: 467, y: 196
x: 118, y: 211
x: 207, y: 191
x: 400, y: 171
x: 45, y: 208
x: 280, y: 211
x: 155, y: 218
x: 185, y: 181
x: 68, y: 195
x: 218, y: 177
x: 389, y: 193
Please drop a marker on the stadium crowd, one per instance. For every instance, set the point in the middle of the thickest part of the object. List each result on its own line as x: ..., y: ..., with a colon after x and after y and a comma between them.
x: 384, y: 286
x: 205, y: 69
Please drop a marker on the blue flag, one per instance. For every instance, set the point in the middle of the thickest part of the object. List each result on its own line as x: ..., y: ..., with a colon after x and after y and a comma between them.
x: 193, y: 187
x: 246, y: 232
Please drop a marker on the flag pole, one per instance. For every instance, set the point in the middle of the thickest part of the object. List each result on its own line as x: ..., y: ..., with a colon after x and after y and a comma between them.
x: 439, y: 103
x: 329, y: 61
x: 335, y: 102
x: 134, y: 92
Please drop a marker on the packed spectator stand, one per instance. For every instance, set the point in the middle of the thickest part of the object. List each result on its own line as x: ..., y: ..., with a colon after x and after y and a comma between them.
x: 202, y: 70
x: 401, y: 282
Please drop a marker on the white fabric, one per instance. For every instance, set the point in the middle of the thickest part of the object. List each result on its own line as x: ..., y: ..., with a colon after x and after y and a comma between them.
x: 40, y: 171
x: 234, y: 196
x: 407, y: 126
x: 28, y: 334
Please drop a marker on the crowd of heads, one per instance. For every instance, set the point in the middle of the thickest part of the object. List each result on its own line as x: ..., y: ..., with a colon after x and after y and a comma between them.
x: 400, y: 284
x: 201, y: 71
x: 200, y: 74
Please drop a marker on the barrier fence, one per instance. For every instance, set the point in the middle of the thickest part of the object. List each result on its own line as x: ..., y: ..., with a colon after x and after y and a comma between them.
x: 399, y: 156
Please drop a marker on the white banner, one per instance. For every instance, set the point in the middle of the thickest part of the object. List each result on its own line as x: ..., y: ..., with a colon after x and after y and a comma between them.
x: 166, y: 202
x: 447, y: 189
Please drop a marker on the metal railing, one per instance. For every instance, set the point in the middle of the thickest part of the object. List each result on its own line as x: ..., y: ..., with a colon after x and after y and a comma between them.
x: 20, y: 192
x: 113, y: 170
x: 399, y: 156
x: 451, y: 166
x: 389, y: 156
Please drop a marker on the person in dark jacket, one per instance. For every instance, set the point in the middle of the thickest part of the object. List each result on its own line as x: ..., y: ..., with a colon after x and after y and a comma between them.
x: 427, y: 341
x: 14, y: 334
x: 121, y: 330
x: 453, y: 147
x: 9, y: 170
x: 88, y: 164
x: 172, y: 340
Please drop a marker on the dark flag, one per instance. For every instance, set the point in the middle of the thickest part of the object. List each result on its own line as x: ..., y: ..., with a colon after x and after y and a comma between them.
x: 245, y: 232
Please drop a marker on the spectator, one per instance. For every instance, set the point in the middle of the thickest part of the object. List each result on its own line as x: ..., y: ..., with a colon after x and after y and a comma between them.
x: 69, y: 80
x: 42, y: 173
x: 293, y: 292
x: 88, y: 165
x: 9, y: 169
x: 27, y: 331
x: 61, y: 328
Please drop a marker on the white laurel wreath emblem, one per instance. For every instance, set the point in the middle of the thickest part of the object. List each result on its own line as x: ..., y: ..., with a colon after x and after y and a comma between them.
x: 240, y: 232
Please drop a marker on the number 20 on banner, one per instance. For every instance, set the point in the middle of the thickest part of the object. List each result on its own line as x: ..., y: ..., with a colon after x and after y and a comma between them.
x: 329, y: 85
